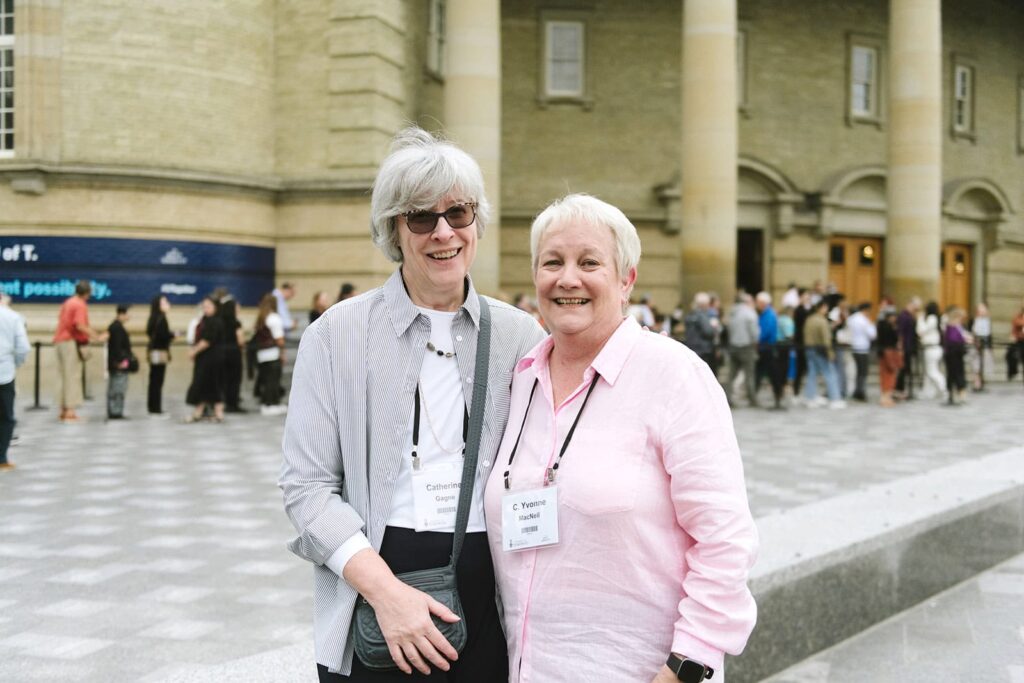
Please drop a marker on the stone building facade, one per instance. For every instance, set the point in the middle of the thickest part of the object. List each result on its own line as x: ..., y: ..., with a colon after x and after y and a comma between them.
x: 753, y: 142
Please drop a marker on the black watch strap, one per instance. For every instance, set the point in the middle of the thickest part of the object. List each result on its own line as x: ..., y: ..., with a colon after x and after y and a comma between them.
x: 689, y: 670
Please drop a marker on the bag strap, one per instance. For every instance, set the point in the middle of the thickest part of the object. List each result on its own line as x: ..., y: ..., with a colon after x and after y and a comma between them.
x: 476, y: 425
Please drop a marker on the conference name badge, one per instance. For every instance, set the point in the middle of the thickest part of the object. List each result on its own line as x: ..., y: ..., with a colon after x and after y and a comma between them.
x: 436, y: 496
x: 529, y: 519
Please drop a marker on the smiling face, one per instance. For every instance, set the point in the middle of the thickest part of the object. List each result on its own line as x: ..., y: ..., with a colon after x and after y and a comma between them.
x: 435, y: 265
x: 580, y: 292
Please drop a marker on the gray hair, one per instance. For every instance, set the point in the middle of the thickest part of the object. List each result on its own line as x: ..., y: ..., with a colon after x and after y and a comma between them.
x: 594, y: 212
x: 701, y: 300
x: 418, y: 172
x: 764, y: 297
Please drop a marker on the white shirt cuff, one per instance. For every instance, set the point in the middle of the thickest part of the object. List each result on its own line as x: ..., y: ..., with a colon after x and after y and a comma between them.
x: 336, y: 562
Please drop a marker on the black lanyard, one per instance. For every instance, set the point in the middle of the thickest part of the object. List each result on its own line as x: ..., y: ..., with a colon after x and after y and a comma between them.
x: 553, y: 470
x: 416, y: 429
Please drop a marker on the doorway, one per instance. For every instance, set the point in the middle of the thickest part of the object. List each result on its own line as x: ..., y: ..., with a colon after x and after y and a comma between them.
x: 750, y: 260
x: 855, y: 266
x: 956, y: 264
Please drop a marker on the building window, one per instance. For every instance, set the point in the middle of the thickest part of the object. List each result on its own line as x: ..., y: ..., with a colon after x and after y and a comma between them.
x: 864, y: 82
x: 435, y: 38
x: 963, y: 99
x: 6, y: 78
x: 564, y: 63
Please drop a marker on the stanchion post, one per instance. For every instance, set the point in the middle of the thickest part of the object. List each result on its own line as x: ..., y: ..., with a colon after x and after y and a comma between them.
x: 36, y: 372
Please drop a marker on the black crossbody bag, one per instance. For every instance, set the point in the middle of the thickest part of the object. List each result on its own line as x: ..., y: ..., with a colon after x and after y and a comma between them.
x: 439, y: 582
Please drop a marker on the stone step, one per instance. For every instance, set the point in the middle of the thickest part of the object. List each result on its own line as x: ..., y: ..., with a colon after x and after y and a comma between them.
x: 831, y: 569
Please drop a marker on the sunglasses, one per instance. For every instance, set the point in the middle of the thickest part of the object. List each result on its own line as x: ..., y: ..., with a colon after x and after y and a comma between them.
x: 458, y: 216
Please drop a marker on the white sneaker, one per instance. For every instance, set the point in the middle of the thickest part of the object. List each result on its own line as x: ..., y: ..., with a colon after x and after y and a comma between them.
x: 273, y: 410
x: 816, y: 402
x: 837, y: 405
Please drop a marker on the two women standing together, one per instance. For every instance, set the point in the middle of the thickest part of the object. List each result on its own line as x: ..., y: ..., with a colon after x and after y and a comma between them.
x: 610, y: 510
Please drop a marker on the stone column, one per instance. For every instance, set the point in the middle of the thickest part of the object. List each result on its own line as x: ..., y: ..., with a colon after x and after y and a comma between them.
x: 37, y: 83
x: 914, y: 237
x: 472, y: 112
x: 709, y: 150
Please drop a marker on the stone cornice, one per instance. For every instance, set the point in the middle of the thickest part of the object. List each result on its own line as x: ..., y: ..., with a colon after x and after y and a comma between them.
x: 33, y: 177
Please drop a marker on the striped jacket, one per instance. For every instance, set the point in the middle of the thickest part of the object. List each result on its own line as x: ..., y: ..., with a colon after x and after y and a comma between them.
x: 351, y: 404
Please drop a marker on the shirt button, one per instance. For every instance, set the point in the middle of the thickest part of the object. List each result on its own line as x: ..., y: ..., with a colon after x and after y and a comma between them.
x: 469, y: 380
x: 458, y: 338
x: 486, y: 463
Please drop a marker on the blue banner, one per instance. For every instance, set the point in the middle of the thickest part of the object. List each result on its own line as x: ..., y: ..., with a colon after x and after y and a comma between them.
x: 45, y: 269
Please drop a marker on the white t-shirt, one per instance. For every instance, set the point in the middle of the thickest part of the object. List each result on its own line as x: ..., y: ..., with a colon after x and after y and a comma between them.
x: 276, y: 326
x: 441, y: 396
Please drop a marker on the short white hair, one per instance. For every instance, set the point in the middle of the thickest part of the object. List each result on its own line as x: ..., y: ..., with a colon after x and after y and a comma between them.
x: 701, y: 299
x: 591, y: 211
x: 764, y: 297
x: 420, y: 170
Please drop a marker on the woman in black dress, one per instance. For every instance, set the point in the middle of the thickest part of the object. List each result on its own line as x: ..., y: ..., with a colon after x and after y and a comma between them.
x: 234, y: 341
x: 207, y: 375
x: 158, y: 351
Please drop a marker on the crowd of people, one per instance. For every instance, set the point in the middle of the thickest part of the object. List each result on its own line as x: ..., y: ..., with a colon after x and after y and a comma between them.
x: 817, y: 338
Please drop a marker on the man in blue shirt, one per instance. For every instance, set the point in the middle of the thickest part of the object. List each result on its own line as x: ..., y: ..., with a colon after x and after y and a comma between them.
x: 13, y: 351
x: 769, y: 364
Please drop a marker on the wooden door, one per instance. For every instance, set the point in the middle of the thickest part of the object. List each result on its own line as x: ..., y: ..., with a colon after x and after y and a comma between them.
x: 855, y: 266
x: 957, y: 273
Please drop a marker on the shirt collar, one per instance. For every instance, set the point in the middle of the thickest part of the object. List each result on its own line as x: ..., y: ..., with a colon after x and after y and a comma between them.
x: 403, y: 311
x: 609, y: 361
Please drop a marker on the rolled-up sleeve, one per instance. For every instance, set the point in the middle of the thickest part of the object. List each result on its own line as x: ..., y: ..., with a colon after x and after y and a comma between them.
x: 313, y: 471
x: 702, y: 458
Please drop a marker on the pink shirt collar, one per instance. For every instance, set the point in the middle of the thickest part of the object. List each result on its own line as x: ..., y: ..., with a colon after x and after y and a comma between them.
x: 609, y: 361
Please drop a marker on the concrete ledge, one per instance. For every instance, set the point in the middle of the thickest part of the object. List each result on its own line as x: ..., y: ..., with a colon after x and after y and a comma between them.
x: 830, y: 569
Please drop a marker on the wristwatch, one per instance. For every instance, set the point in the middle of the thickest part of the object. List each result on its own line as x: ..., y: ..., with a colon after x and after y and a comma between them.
x: 689, y: 670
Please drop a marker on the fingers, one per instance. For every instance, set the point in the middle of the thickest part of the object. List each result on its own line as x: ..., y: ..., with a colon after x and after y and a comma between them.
x: 440, y: 610
x: 399, y: 658
x: 439, y: 643
x: 414, y: 657
x: 427, y: 649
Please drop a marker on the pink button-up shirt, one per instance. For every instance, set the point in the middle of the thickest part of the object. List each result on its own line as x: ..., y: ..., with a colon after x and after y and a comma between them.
x: 656, y: 537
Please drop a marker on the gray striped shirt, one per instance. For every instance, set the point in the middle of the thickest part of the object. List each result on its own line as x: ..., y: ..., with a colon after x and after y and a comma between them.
x: 350, y: 407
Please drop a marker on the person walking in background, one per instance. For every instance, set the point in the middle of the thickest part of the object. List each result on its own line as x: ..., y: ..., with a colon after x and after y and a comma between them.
x: 1017, y: 337
x: 701, y: 330
x: 282, y: 295
x: 930, y: 336
x: 862, y: 332
x: 234, y: 342
x: 119, y: 358
x: 890, y: 354
x: 818, y: 340
x: 837, y: 316
x: 906, y: 325
x: 347, y: 291
x: 71, y: 341
x: 787, y: 330
x: 269, y: 342
x: 955, y: 340
x: 207, y: 352
x: 800, y: 314
x: 744, y: 332
x: 14, y: 350
x: 769, y: 362
x: 158, y: 351
x: 983, y: 359
x: 321, y: 302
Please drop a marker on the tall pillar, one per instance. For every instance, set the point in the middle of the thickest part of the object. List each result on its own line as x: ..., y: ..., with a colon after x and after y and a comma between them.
x: 472, y: 112
x: 914, y: 237
x: 710, y: 148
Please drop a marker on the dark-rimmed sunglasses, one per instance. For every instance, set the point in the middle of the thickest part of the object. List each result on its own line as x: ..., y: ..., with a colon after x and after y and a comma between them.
x: 457, y: 216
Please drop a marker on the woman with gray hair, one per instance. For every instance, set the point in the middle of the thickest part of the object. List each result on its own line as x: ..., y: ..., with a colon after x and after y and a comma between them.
x: 617, y: 512
x: 381, y: 397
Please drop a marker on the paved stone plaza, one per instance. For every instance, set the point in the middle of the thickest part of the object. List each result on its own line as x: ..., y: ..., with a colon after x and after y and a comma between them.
x: 150, y: 550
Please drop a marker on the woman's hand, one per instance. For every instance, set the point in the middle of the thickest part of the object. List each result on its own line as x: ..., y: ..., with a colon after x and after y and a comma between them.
x: 403, y: 614
x: 665, y: 675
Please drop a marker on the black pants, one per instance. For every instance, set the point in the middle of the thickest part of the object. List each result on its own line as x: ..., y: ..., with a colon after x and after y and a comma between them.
x: 232, y: 376
x: 905, y: 379
x: 778, y: 369
x: 956, y: 375
x: 7, y: 420
x: 860, y: 390
x: 801, y: 369
x: 270, y: 383
x: 485, y: 657
x: 154, y: 394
